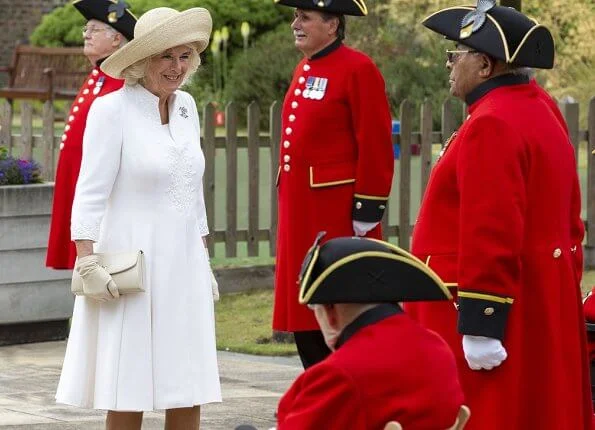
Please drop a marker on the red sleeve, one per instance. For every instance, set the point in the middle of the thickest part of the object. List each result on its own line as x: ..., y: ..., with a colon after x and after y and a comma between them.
x: 490, y: 175
x: 372, y: 125
x: 322, y: 397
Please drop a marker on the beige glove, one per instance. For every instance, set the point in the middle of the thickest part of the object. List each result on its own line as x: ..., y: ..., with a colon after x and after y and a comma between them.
x: 97, y: 283
x: 214, y: 283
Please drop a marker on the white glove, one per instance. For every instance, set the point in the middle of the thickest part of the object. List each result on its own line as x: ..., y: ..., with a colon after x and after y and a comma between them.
x: 483, y: 352
x: 361, y: 228
x: 97, y: 283
x: 214, y: 283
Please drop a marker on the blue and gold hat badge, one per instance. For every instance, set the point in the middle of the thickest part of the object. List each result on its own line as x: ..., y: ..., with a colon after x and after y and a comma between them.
x: 475, y: 19
x: 116, y: 11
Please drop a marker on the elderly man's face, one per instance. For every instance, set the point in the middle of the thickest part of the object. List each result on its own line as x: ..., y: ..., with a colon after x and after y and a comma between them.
x: 465, y: 65
x: 101, y: 40
x: 312, y: 33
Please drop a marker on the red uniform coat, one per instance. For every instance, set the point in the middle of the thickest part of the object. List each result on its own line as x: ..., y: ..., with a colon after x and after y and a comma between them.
x: 336, y: 164
x: 389, y: 369
x: 61, y: 250
x: 500, y: 223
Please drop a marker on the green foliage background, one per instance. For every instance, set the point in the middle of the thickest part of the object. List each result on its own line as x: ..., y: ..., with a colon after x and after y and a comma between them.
x: 410, y: 57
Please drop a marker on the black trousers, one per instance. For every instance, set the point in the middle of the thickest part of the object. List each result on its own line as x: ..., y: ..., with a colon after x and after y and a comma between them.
x: 311, y: 347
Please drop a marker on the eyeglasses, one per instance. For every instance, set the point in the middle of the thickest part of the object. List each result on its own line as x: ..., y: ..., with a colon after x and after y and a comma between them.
x: 93, y: 30
x: 452, y: 55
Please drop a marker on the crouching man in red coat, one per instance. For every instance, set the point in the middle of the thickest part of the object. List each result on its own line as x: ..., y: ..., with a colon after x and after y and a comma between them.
x: 500, y: 223
x: 110, y: 25
x: 336, y: 156
x: 385, y: 367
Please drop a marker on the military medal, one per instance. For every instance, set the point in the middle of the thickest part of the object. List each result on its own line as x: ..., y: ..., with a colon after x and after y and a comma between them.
x: 321, y: 88
x: 446, y: 145
x: 316, y: 91
x: 309, y: 86
x: 98, y: 85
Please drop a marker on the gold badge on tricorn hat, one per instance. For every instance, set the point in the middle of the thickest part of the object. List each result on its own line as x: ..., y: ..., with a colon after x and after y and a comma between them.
x: 362, y: 270
x: 116, y: 14
x: 501, y: 32
x: 339, y: 7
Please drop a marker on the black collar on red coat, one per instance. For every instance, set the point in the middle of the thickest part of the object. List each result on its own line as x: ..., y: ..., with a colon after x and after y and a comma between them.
x: 98, y: 62
x: 371, y: 316
x: 491, y: 84
x: 325, y: 51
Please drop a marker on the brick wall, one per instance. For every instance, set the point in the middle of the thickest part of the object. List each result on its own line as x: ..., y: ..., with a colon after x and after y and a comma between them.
x: 18, y: 18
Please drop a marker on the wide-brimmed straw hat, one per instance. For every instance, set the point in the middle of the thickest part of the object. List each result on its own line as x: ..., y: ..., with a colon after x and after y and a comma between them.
x: 160, y: 29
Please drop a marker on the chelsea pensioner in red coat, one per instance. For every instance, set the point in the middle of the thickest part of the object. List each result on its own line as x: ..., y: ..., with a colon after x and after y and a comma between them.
x: 336, y: 164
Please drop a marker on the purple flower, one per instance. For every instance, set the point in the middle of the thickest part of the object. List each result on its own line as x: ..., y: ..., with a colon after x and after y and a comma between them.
x: 15, y: 171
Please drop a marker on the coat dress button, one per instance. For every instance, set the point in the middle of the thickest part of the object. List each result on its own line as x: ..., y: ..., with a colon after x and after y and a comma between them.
x: 286, y: 167
x: 358, y: 205
x: 557, y: 253
x: 286, y: 144
x: 489, y: 311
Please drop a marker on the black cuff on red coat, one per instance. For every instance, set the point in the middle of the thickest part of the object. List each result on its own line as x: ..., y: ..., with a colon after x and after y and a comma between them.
x: 485, y: 315
x: 368, y: 208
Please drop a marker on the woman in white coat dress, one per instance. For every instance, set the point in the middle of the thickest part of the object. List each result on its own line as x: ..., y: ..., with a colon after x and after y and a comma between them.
x: 140, y: 187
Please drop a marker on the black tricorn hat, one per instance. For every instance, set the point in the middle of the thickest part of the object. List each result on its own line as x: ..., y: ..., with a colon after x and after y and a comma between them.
x: 502, y: 32
x: 362, y: 270
x: 339, y: 7
x: 114, y: 13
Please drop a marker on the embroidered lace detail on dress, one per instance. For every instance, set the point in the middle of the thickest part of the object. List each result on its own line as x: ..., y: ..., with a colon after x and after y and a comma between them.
x: 144, y: 100
x: 203, y: 228
x: 82, y: 229
x: 182, y: 189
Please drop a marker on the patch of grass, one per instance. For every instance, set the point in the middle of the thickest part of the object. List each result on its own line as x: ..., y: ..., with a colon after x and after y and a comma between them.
x: 244, y: 321
x: 244, y: 324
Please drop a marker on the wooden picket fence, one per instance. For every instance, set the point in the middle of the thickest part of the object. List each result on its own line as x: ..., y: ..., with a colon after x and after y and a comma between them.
x: 46, y: 144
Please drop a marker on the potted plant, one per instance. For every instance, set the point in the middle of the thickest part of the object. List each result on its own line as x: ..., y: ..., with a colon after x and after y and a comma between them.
x: 35, y: 302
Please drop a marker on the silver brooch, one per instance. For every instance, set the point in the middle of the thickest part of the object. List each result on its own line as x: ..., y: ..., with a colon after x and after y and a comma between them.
x: 183, y: 112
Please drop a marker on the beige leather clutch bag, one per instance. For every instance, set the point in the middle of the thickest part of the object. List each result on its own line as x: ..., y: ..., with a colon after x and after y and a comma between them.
x: 126, y: 269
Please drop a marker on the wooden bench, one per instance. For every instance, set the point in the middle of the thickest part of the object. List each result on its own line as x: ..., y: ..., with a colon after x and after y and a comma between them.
x: 45, y: 73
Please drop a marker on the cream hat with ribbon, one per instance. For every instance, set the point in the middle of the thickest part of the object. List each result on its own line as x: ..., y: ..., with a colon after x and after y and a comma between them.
x: 160, y: 29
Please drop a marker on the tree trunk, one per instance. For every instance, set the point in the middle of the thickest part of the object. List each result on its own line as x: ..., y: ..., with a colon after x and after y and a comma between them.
x: 512, y: 3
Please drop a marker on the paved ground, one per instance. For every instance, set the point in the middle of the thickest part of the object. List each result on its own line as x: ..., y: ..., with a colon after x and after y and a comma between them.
x: 29, y: 376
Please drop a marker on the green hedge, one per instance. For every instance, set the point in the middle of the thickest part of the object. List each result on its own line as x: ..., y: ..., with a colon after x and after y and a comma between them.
x: 62, y: 26
x: 264, y: 72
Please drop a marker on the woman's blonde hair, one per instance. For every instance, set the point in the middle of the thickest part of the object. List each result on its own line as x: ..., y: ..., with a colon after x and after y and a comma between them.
x: 136, y: 73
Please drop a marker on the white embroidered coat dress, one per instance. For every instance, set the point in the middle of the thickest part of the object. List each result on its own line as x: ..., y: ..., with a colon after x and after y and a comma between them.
x: 140, y: 187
